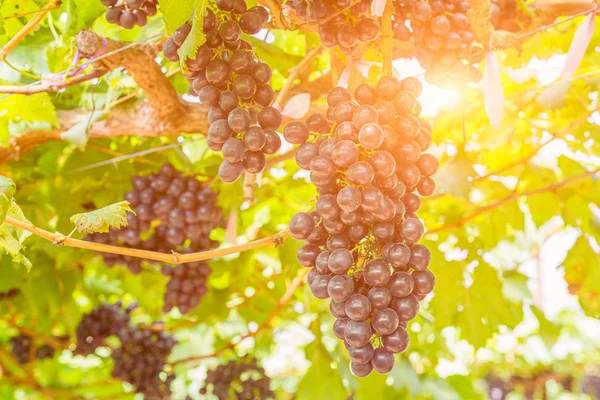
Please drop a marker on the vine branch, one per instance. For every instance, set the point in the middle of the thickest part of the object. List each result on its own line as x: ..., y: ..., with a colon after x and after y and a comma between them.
x: 174, y: 258
x: 294, y: 73
x: 15, y: 40
x: 514, y: 196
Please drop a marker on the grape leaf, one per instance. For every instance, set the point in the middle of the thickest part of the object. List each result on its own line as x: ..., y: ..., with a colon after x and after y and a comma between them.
x: 456, y: 175
x: 112, y: 216
x: 582, y: 273
x: 321, y: 381
x: 176, y: 12
x: 7, y: 187
x: 12, y: 238
x: 32, y: 108
x: 196, y: 36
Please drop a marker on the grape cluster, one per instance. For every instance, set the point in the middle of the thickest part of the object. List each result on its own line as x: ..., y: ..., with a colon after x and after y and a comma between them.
x: 366, y: 159
x: 141, y: 359
x: 183, y: 212
x: 10, y: 294
x: 95, y: 327
x: 187, y: 285
x: 22, y: 347
x: 441, y: 32
x: 342, y: 24
x: 241, y: 380
x: 129, y: 13
x: 227, y: 76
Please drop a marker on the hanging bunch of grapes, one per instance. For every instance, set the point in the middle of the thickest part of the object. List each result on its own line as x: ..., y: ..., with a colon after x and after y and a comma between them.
x: 238, y: 379
x: 178, y: 213
x: 142, y: 355
x: 445, y: 45
x: 23, y: 347
x: 141, y: 360
x: 129, y: 13
x: 101, y: 323
x: 343, y: 23
x: 228, y: 77
x: 366, y: 159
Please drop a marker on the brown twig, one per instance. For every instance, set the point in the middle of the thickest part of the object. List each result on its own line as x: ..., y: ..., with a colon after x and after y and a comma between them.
x: 295, y: 72
x: 15, y: 40
x: 287, y: 296
x: 174, y: 258
x: 513, y: 196
x: 387, y: 40
x: 42, y: 88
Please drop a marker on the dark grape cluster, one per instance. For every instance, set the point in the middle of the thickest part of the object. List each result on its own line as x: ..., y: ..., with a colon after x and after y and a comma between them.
x: 129, y: 13
x: 187, y: 285
x: 10, y: 294
x: 590, y: 384
x: 95, y: 327
x: 182, y: 212
x: 341, y: 23
x: 445, y: 45
x: 141, y: 359
x: 23, y: 346
x: 366, y: 159
x: 241, y: 380
x: 227, y: 76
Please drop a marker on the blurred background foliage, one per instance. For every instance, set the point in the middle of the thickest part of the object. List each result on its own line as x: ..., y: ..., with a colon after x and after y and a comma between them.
x: 514, y: 229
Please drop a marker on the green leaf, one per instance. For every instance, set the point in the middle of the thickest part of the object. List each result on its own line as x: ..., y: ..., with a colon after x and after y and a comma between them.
x: 371, y: 387
x: 11, y: 274
x: 321, y: 381
x: 112, y: 216
x: 33, y: 108
x: 456, y: 175
x: 582, y: 273
x: 80, y: 15
x: 547, y: 330
x: 196, y: 36
x: 176, y: 12
x: 7, y: 187
x: 12, y: 238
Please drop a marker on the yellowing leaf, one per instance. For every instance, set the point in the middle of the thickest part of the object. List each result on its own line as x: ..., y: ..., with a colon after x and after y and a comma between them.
x: 112, y: 216
x: 582, y: 273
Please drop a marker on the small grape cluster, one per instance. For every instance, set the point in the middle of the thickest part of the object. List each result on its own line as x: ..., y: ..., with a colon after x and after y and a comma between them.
x: 242, y: 380
x: 342, y: 23
x: 141, y: 359
x: 365, y: 158
x: 186, y: 212
x: 10, y: 294
x: 129, y: 13
x: 227, y: 76
x: 445, y: 45
x: 102, y: 322
x: 22, y: 347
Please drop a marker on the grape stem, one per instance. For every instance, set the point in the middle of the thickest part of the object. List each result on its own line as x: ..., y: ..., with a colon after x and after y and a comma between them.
x: 174, y: 258
x: 386, y: 39
x: 15, y: 40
